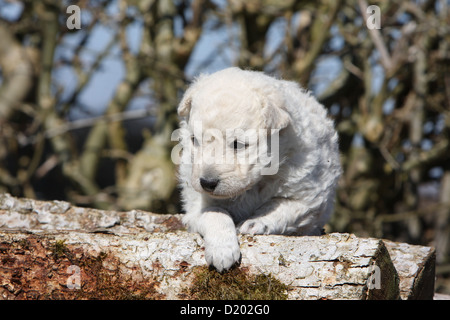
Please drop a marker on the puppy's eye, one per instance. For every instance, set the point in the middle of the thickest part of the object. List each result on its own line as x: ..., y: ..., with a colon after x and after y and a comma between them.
x: 194, y: 141
x: 236, y: 145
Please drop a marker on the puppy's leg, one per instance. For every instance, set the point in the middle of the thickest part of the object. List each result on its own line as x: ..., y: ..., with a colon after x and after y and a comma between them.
x: 282, y: 216
x: 219, y: 233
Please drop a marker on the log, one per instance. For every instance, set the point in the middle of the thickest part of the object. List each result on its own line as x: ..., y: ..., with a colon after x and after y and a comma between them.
x: 415, y: 266
x: 53, y: 250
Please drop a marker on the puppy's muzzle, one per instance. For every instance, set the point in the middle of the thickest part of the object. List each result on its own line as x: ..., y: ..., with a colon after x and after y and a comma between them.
x: 209, y: 185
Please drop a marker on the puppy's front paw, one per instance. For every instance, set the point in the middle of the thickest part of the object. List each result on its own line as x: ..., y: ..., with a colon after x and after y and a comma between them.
x: 254, y: 226
x: 222, y: 252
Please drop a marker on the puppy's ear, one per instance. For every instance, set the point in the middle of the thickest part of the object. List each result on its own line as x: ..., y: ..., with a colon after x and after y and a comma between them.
x: 278, y: 118
x: 185, y: 104
x: 276, y: 115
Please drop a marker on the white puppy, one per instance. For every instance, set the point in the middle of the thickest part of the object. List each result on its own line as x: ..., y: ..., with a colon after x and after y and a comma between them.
x: 259, y: 156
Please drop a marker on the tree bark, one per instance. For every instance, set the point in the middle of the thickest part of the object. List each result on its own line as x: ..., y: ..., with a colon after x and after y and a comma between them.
x: 51, y: 250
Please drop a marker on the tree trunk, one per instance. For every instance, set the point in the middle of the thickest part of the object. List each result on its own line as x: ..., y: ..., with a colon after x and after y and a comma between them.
x: 51, y: 250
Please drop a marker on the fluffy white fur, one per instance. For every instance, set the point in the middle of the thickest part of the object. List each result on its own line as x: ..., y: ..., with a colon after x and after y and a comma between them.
x: 296, y: 200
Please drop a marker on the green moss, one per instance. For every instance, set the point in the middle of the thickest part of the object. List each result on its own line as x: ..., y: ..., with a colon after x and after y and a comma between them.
x: 236, y: 284
x: 59, y: 249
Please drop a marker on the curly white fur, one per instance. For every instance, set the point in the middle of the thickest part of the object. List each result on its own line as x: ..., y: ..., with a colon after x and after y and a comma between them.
x: 222, y: 197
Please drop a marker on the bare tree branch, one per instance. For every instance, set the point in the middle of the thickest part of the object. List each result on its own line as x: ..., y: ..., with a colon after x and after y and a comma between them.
x: 17, y: 72
x: 377, y: 39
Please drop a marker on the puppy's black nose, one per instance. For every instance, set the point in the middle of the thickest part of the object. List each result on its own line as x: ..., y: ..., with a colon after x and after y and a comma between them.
x: 209, y: 184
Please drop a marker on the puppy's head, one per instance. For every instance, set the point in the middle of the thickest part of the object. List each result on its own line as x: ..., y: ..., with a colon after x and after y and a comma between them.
x: 231, y: 119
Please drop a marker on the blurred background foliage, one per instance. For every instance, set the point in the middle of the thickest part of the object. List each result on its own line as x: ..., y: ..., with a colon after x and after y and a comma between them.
x: 86, y: 115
